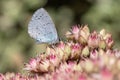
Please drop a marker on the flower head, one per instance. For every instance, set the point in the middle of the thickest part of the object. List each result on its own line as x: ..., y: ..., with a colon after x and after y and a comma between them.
x: 85, y: 56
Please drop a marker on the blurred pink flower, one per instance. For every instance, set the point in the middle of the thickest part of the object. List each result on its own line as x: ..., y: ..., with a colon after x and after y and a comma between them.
x: 1, y: 77
x: 94, y: 54
x: 82, y: 77
x: 106, y: 74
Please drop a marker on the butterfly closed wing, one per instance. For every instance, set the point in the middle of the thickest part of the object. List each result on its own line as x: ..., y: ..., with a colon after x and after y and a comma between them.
x: 42, y: 28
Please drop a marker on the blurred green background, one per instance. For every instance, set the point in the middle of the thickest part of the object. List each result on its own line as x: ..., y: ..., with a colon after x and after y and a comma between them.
x: 16, y: 46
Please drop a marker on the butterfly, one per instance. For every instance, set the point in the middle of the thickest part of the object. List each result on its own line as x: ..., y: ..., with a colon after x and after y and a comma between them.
x: 42, y: 28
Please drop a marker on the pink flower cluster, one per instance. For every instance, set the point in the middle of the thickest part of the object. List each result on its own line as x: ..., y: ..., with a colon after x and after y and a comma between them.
x: 85, y: 56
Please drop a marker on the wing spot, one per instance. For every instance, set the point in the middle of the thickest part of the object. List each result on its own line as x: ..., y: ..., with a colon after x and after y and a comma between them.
x: 36, y: 27
x: 38, y: 18
x: 47, y: 23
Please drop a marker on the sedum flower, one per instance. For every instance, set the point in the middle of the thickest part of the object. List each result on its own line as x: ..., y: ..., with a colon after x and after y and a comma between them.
x: 75, y: 31
x: 93, y: 40
x: 82, y: 77
x: 84, y: 34
x: 107, y: 37
x: 67, y: 52
x: 118, y: 64
x: 13, y: 76
x: 85, y: 56
x: 85, y: 52
x: 109, y: 41
x: 102, y: 33
x: 74, y: 34
x: 2, y: 77
x: 61, y: 45
x: 54, y: 59
x: 32, y: 65
x: 88, y: 66
x: 94, y: 54
x: 38, y: 65
x: 69, y: 35
x: 117, y: 53
x: 75, y: 50
x: 106, y: 74
x: 44, y: 66
x: 102, y: 44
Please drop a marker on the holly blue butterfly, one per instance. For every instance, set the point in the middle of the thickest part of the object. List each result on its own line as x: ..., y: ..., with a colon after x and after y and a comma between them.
x: 42, y: 28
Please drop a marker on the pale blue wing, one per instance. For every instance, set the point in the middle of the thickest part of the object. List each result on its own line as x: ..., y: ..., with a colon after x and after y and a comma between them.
x: 42, y: 28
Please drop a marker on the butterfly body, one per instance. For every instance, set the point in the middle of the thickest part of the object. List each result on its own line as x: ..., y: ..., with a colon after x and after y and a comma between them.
x: 42, y: 28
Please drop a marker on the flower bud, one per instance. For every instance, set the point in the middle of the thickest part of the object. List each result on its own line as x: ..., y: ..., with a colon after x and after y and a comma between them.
x: 67, y: 52
x: 75, y: 30
x: 102, y: 44
x: 43, y: 66
x: 109, y: 41
x: 76, y: 50
x: 93, y: 40
x: 82, y: 40
x: 32, y: 65
x: 69, y: 35
x: 103, y: 33
x: 53, y: 58
x: 84, y: 32
x: 88, y: 66
x: 85, y: 52
x: 61, y: 45
x: 94, y: 54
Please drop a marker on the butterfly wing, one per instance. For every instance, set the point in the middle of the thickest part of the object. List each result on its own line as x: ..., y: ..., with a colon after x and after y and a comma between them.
x: 42, y: 28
